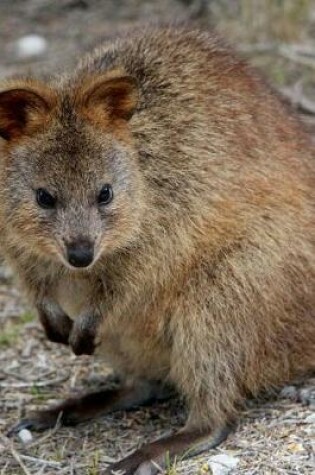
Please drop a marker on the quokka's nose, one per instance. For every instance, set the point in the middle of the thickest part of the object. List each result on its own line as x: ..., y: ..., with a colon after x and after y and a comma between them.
x: 80, y: 254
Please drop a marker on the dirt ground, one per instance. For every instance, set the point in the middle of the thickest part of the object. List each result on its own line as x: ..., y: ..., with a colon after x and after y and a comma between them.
x: 274, y: 436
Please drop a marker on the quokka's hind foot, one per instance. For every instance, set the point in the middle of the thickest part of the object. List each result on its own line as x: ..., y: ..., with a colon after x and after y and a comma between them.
x: 151, y: 458
x: 79, y: 409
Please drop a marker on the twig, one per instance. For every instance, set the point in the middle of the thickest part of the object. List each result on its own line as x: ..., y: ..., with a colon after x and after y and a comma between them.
x: 38, y: 384
x: 3, y: 470
x: 298, y: 99
x: 19, y: 461
x: 157, y: 466
x: 307, y: 50
x: 49, y: 463
x: 287, y: 53
x: 257, y: 48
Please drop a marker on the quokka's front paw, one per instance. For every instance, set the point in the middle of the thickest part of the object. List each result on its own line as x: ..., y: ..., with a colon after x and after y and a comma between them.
x: 37, y: 421
x: 67, y: 413
x: 82, y: 336
x: 56, y: 323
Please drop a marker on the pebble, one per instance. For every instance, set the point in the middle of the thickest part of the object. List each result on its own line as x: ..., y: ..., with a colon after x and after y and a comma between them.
x: 5, y: 273
x: 307, y: 396
x: 310, y: 419
x: 222, y: 464
x: 289, y: 392
x: 30, y: 45
x: 25, y: 436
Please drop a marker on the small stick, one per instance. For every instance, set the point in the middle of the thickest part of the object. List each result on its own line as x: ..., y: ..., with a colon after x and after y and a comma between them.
x: 39, y: 460
x: 19, y: 461
x: 3, y: 471
x: 287, y: 53
x: 39, y: 384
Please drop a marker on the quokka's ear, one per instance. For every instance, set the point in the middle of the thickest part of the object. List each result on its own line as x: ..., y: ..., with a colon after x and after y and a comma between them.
x: 113, y: 95
x: 21, y: 112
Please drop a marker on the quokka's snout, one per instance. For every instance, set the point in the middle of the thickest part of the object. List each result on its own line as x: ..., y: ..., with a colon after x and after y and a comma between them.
x: 80, y: 252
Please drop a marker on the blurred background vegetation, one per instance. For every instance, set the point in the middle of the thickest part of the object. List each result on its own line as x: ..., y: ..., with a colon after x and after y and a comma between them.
x: 265, y: 20
x: 278, y: 36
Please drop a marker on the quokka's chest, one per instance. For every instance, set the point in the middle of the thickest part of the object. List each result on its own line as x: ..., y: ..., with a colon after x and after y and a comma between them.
x: 74, y: 296
x: 130, y: 338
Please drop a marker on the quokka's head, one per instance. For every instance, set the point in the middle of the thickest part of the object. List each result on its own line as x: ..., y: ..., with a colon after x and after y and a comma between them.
x: 71, y: 190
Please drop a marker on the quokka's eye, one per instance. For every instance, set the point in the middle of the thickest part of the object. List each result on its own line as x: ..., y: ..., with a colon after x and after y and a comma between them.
x: 45, y: 199
x: 105, y: 196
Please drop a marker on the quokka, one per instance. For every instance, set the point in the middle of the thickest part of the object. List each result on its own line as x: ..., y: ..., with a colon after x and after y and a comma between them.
x: 157, y: 205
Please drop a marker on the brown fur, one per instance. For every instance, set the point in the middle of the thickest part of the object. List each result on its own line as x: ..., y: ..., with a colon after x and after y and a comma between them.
x: 205, y: 260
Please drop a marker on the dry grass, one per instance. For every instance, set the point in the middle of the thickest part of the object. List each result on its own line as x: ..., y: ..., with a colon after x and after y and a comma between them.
x: 265, y: 20
x: 274, y: 437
